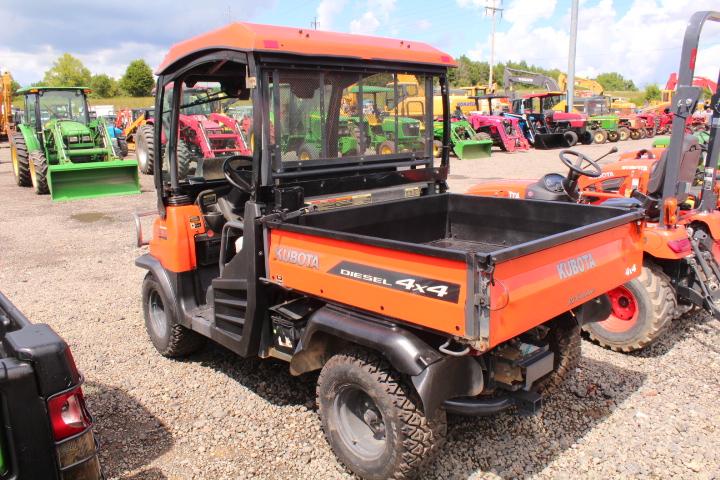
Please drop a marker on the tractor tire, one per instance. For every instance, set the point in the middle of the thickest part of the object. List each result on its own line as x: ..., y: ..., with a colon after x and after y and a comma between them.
x: 20, y: 161
x: 635, y: 134
x: 564, y: 340
x: 373, y: 418
x: 307, y: 152
x: 643, y: 133
x: 586, y: 138
x: 624, y: 133
x: 600, y: 136
x: 571, y: 138
x: 122, y: 146
x: 483, y: 136
x: 642, y: 309
x: 39, y: 172
x: 144, y: 148
x: 169, y: 337
x: 613, y: 136
x: 437, y: 148
x: 386, y: 148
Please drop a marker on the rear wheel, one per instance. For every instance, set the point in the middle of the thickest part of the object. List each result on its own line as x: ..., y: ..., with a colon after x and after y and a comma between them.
x: 586, y: 138
x: 571, y: 138
x: 169, y: 338
x: 624, y: 133
x: 386, y: 148
x: 613, y: 136
x: 20, y: 161
x: 184, y: 159
x: 307, y: 152
x: 564, y: 341
x: 144, y: 148
x: 635, y: 134
x: 373, y: 419
x: 600, y: 136
x: 39, y: 172
x: 642, y: 132
x: 122, y: 146
x: 641, y: 310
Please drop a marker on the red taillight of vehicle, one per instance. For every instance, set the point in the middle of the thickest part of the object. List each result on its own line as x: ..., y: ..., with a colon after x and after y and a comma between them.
x: 680, y: 246
x: 68, y: 414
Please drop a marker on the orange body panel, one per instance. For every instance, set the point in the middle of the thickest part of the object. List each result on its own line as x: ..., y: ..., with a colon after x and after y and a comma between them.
x: 440, y: 315
x: 710, y: 219
x: 536, y: 291
x: 501, y: 188
x: 656, y: 238
x: 304, y: 41
x: 173, y: 242
x: 635, y: 175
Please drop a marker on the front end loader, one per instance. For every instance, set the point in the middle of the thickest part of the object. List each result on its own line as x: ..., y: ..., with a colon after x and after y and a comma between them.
x: 466, y: 143
x: 59, y: 150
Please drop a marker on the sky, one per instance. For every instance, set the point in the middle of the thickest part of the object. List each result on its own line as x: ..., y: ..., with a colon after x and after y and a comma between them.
x: 641, y: 39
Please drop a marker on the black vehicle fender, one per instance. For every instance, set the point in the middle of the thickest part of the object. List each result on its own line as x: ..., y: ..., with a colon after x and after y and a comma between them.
x: 153, y: 265
x: 435, y: 376
x: 595, y: 310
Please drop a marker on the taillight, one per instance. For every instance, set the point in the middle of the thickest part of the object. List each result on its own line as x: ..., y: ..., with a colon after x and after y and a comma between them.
x: 680, y: 246
x: 68, y: 414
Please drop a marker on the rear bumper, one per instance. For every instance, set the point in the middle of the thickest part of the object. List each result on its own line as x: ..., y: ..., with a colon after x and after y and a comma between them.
x: 526, y: 402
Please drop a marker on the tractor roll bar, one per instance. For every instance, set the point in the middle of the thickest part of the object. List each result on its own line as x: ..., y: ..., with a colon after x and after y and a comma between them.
x: 683, y: 104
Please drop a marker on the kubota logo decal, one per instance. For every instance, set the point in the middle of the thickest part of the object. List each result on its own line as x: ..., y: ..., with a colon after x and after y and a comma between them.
x: 426, y: 287
x: 575, y: 266
x: 296, y: 257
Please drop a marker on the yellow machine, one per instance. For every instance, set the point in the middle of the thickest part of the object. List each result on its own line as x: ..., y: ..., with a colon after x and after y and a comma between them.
x: 6, y: 116
x: 615, y: 104
x: 411, y: 98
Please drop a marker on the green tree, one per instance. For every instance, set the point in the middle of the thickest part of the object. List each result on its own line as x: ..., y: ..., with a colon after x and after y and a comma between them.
x: 104, y: 86
x: 14, y: 86
x: 138, y: 80
x: 652, y: 92
x: 615, y: 81
x: 67, y: 71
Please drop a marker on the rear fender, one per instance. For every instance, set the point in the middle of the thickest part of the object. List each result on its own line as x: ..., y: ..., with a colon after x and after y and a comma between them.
x: 435, y: 376
x: 711, y: 220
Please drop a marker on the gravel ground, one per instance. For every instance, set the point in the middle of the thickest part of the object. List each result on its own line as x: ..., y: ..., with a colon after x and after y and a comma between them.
x: 649, y: 415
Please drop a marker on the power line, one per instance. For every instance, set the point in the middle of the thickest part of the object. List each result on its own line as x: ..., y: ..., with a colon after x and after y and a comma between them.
x: 315, y: 23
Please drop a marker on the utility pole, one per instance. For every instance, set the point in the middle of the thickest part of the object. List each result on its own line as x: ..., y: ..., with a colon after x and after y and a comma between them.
x: 571, y: 57
x: 315, y: 24
x: 492, y: 10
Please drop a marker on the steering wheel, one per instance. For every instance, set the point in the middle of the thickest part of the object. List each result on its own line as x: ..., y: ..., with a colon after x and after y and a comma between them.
x: 644, y: 151
x: 235, y: 176
x: 577, y: 170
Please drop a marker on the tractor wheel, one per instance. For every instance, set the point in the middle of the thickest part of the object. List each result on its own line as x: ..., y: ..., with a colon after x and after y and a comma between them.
x: 600, y: 136
x: 642, y: 132
x: 483, y: 136
x: 641, y: 310
x: 39, y: 172
x: 307, y: 152
x: 624, y: 133
x: 613, y: 136
x: 564, y: 340
x: 571, y: 138
x: 650, y: 132
x: 20, y: 162
x: 437, y: 148
x: 586, y: 138
x: 386, y: 148
x: 169, y: 337
x: 635, y: 134
x: 373, y: 419
x: 122, y: 146
x: 144, y: 148
x: 184, y: 158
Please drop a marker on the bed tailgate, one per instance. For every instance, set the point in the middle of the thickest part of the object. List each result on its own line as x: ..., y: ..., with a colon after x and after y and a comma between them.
x: 533, y: 288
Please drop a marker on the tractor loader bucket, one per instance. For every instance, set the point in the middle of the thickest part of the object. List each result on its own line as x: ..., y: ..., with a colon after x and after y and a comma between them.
x: 550, y: 140
x: 71, y: 181
x: 473, y: 149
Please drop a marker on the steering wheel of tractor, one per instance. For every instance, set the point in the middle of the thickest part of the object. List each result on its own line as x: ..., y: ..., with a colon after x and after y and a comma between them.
x: 576, y: 170
x: 238, y: 178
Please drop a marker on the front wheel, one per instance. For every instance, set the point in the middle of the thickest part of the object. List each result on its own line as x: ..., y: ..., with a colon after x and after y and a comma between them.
x: 374, y: 420
x: 600, y: 136
x: 613, y: 136
x: 39, y: 172
x: 635, y: 134
x: 624, y: 133
x: 145, y: 148
x: 20, y: 161
x: 641, y: 311
x: 571, y: 138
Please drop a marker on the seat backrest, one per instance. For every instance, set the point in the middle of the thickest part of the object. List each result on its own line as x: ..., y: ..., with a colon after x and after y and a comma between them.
x: 688, y: 166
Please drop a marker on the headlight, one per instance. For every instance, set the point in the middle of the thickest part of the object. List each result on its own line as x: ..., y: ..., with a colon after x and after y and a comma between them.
x: 72, y: 139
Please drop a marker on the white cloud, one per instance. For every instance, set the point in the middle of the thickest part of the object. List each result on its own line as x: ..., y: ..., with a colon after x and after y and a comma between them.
x: 366, y: 24
x: 423, y: 24
x: 642, y: 44
x: 376, y: 15
x: 327, y: 10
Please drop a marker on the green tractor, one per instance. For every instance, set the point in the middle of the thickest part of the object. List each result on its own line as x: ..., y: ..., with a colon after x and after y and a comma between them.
x: 601, y: 126
x: 308, y: 145
x: 466, y: 144
x: 60, y: 150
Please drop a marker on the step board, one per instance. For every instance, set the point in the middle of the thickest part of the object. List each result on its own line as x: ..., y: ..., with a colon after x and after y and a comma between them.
x: 230, y: 304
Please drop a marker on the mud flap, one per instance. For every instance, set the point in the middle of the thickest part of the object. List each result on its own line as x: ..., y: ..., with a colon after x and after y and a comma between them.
x: 71, y: 181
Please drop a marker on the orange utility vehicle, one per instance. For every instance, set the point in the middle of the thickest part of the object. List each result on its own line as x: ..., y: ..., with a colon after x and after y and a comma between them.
x: 683, y: 228
x: 412, y: 302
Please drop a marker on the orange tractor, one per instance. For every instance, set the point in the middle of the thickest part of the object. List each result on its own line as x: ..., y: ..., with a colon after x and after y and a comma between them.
x: 410, y: 301
x: 683, y: 226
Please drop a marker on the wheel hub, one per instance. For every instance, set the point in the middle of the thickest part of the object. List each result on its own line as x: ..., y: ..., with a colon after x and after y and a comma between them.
x: 157, y: 315
x: 624, y: 310
x: 360, y: 423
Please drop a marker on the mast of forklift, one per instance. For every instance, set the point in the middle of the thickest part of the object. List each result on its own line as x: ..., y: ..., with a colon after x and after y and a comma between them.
x: 682, y: 105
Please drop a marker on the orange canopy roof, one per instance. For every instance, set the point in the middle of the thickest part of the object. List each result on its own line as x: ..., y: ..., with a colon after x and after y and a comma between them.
x: 301, y: 41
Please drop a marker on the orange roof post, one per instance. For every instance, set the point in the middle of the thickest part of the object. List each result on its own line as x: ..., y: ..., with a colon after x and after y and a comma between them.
x: 252, y: 37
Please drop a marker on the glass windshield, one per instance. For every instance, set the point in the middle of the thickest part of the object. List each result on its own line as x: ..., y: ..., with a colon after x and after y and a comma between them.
x: 547, y: 103
x: 63, y: 105
x: 321, y: 116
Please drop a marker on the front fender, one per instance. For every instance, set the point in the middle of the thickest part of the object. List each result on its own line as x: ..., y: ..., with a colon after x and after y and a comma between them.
x: 153, y: 265
x: 31, y: 140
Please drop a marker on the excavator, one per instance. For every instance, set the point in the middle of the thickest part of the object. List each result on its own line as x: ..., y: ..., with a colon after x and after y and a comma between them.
x: 6, y: 116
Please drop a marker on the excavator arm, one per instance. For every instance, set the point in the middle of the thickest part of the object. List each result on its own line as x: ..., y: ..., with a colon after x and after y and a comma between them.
x: 512, y: 76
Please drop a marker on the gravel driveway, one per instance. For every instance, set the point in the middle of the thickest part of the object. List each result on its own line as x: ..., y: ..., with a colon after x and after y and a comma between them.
x: 216, y: 416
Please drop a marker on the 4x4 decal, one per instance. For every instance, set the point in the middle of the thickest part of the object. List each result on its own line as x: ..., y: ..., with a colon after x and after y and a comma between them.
x: 426, y: 287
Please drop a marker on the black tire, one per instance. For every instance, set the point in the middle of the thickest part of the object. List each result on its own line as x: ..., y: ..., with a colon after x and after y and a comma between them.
x: 144, y: 148
x: 635, y: 134
x: 387, y: 146
x: 624, y: 133
x: 564, y: 340
x: 307, y: 152
x: 571, y: 138
x: 122, y: 146
x: 613, y: 136
x: 656, y: 307
x: 600, y: 136
x: 39, y: 172
x: 184, y: 159
x: 643, y: 133
x: 586, y: 138
x: 20, y: 160
x: 390, y: 436
x: 169, y: 338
